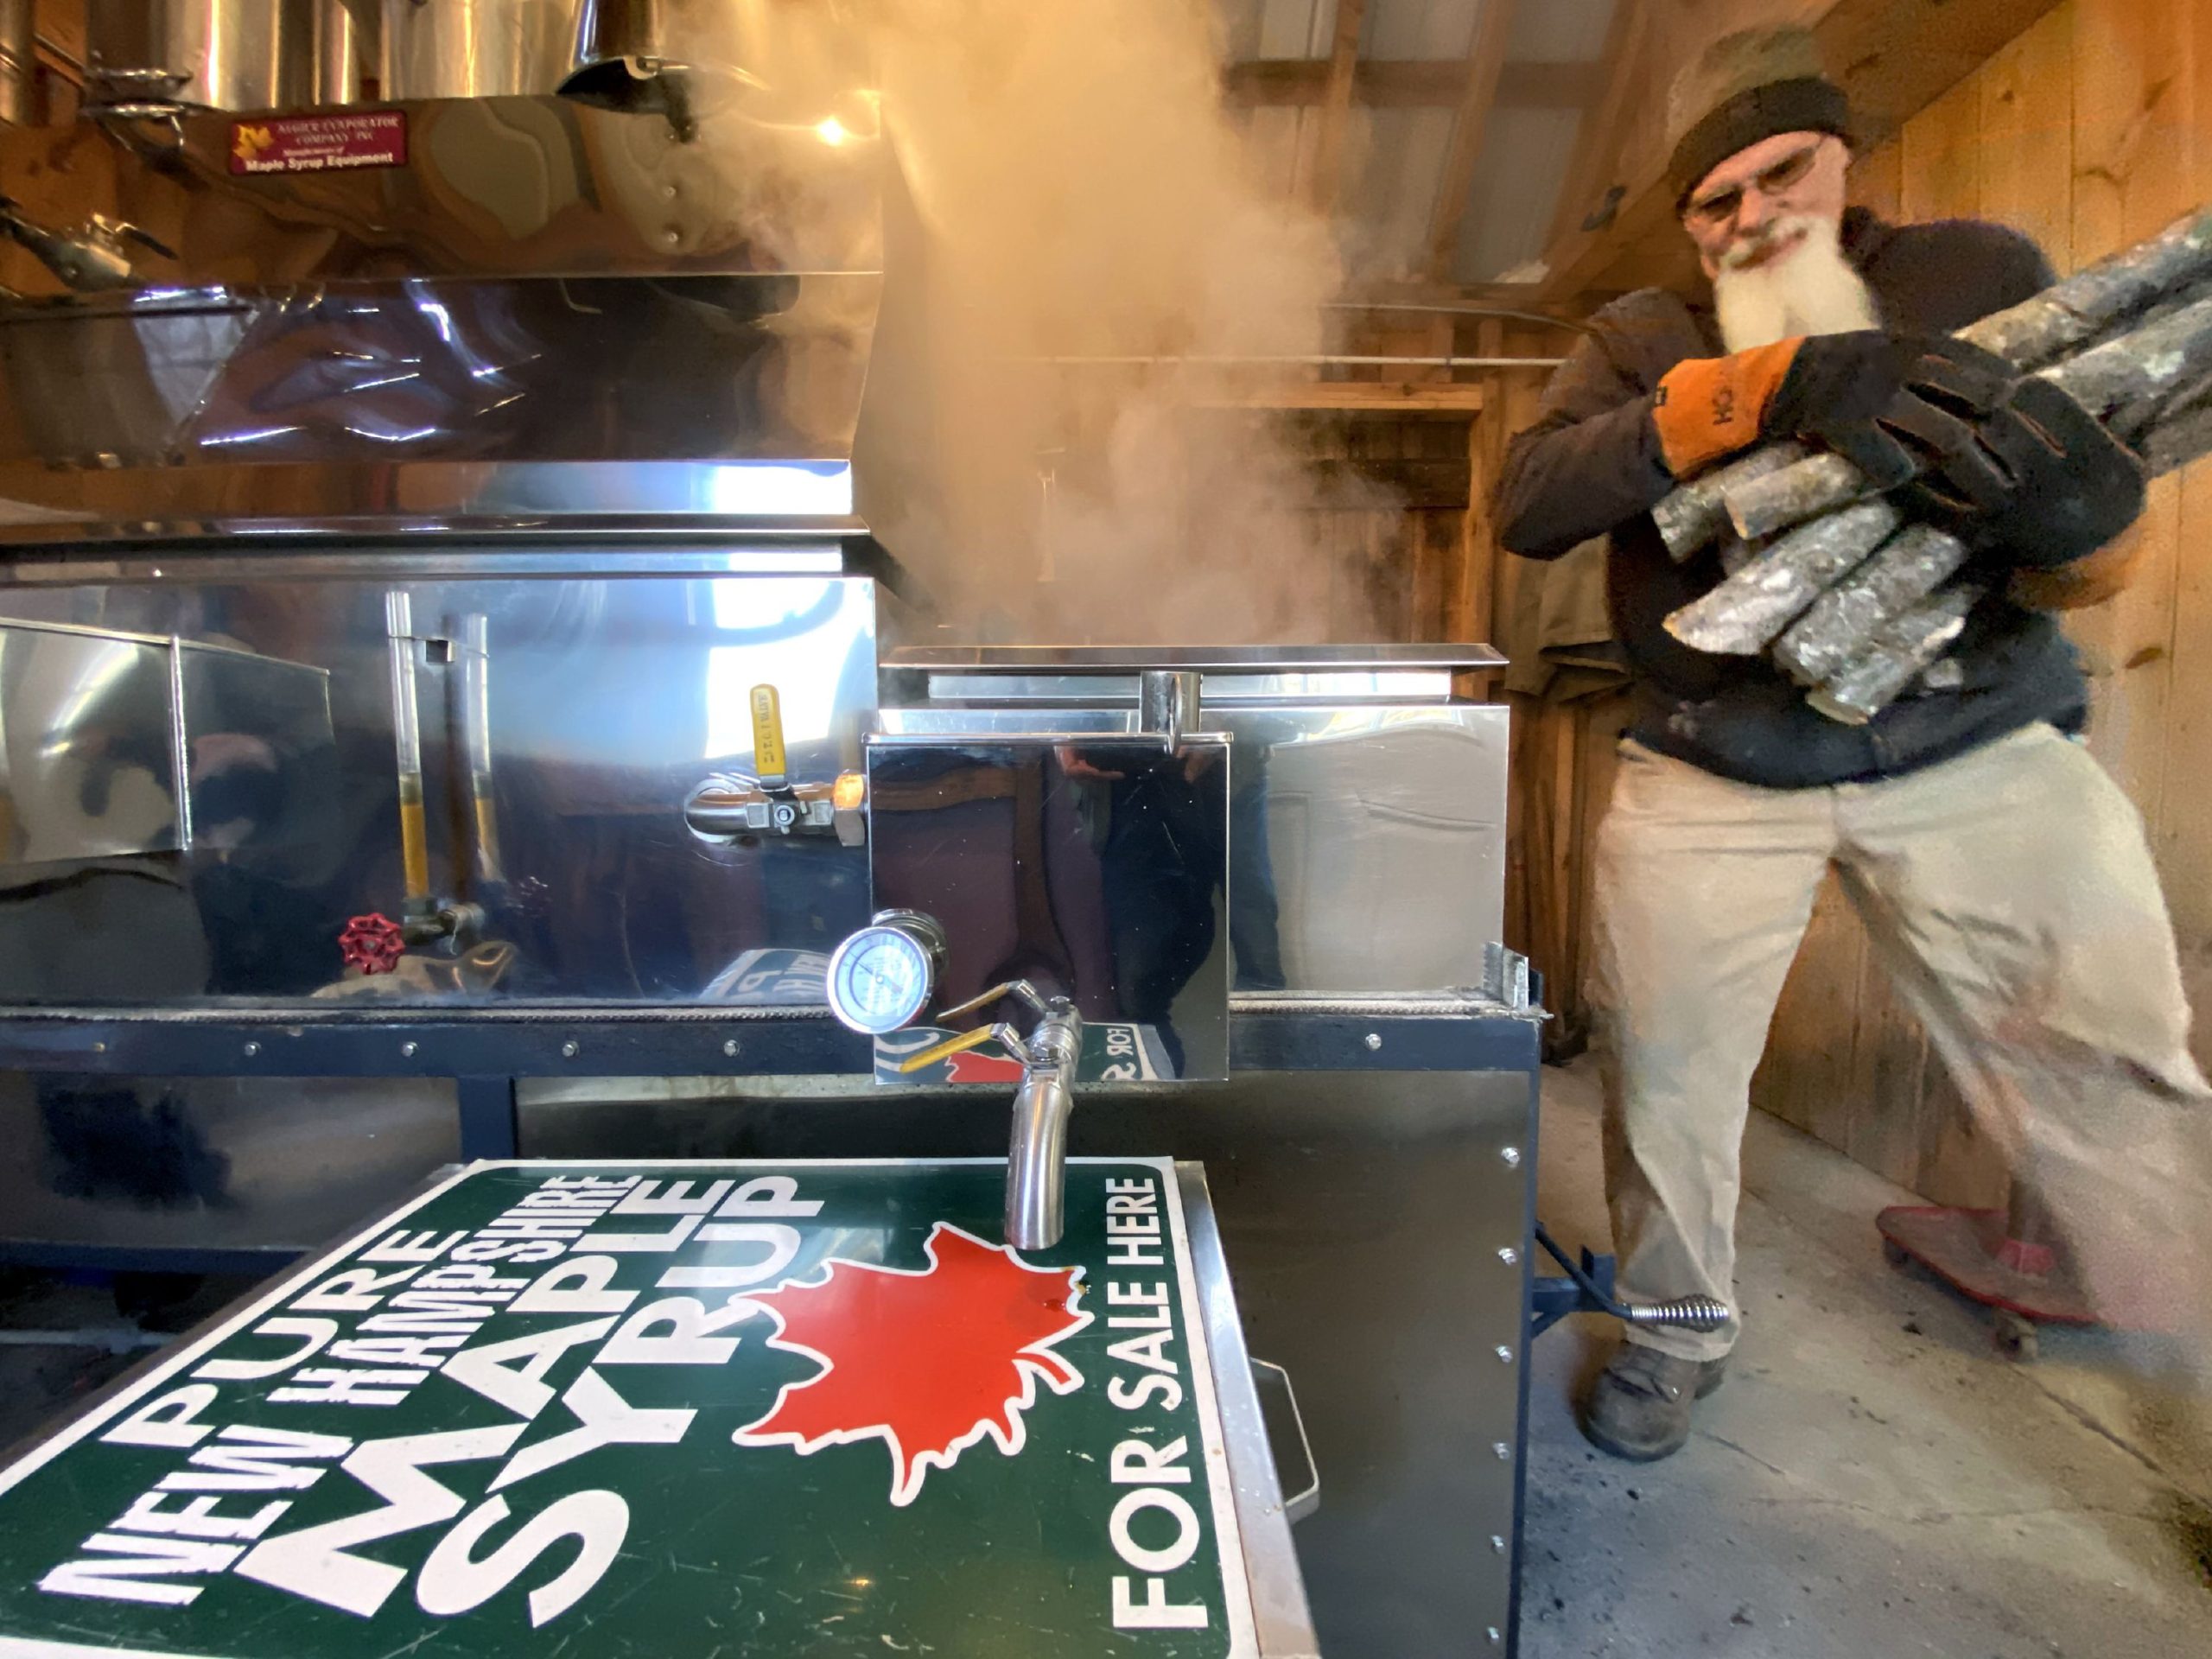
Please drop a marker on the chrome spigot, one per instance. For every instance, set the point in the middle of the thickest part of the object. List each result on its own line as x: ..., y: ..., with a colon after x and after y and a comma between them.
x: 1037, y: 1152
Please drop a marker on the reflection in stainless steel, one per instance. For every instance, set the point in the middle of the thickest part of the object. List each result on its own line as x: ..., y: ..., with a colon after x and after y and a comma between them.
x: 1221, y: 690
x: 115, y: 744
x: 86, y: 740
x: 210, y: 1164
x: 1094, y: 869
x: 1167, y: 703
x: 1249, y: 659
x: 615, y: 502
x: 223, y: 54
x: 1367, y: 842
x: 614, y: 692
x: 475, y: 659
x: 704, y: 369
x: 594, y: 550
x: 476, y: 48
x: 492, y: 186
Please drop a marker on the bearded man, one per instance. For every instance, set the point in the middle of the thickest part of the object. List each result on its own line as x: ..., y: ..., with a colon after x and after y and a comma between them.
x: 2002, y: 875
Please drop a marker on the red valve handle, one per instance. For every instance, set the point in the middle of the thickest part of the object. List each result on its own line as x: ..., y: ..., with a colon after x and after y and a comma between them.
x: 372, y: 943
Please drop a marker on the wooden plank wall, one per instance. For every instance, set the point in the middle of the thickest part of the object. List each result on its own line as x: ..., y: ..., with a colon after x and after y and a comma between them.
x: 2090, y: 130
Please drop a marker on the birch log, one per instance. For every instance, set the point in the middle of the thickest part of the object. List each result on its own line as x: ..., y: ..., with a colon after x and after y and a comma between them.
x: 1859, y: 692
x: 2145, y: 364
x: 1843, y: 622
x: 2034, y: 332
x: 2032, y: 335
x: 1739, y: 616
x: 1698, y: 511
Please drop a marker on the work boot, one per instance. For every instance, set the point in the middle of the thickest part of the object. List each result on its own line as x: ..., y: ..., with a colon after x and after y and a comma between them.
x: 1639, y: 1408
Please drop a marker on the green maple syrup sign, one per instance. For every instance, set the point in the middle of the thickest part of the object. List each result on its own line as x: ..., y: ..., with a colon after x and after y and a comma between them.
x: 665, y: 1409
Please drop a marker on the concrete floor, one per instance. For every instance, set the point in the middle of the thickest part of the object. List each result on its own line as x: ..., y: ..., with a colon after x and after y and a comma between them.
x: 1874, y: 1480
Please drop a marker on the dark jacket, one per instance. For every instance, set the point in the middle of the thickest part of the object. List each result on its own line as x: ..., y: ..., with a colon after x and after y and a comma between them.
x: 1591, y: 464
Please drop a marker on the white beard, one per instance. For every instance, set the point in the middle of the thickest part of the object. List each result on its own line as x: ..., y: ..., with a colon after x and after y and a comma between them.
x: 1812, y: 290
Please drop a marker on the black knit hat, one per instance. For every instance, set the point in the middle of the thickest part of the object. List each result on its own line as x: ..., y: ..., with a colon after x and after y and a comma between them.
x: 1745, y: 87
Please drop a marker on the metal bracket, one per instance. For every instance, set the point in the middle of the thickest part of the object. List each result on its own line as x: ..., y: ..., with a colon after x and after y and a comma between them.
x: 1304, y: 1502
x: 1508, y: 980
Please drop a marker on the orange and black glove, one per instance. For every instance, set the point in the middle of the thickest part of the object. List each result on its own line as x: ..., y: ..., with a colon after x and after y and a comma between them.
x: 1894, y: 404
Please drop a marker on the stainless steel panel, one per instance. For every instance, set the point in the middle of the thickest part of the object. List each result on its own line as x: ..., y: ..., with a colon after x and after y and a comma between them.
x: 98, y: 728
x: 477, y: 49
x: 1094, y: 869
x: 606, y: 699
x: 212, y: 1163
x: 87, y: 755
x: 1362, y: 1215
x: 1250, y: 660
x: 695, y: 368
x: 115, y: 382
x: 222, y: 54
x: 259, y: 753
x: 1282, y: 1621
x: 1367, y: 843
x: 541, y: 187
x: 1219, y: 689
x: 594, y: 550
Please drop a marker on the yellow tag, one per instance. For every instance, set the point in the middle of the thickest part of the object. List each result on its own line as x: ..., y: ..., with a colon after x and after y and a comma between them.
x: 768, y: 762
x: 945, y: 1050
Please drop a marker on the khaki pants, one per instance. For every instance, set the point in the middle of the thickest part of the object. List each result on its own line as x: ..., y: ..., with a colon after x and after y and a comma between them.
x: 2012, y: 897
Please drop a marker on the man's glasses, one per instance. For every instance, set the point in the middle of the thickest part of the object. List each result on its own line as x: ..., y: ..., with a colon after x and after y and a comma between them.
x: 1712, y: 212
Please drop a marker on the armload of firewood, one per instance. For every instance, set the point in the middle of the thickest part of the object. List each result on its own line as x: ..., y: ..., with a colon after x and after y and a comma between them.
x: 1852, y: 598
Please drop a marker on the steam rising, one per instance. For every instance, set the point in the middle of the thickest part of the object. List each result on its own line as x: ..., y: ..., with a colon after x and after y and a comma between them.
x: 1076, y: 189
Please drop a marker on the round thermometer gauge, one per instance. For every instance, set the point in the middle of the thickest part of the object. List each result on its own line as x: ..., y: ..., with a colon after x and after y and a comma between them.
x: 880, y: 979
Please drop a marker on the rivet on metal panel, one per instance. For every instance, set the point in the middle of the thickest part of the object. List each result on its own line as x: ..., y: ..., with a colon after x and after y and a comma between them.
x: 1504, y: 1355
x: 1502, y: 1450
x: 1374, y: 1039
x: 569, y: 1051
x: 252, y: 1049
x: 729, y: 1047
x: 1510, y: 1256
x: 407, y: 1051
x: 1512, y: 1156
x: 1496, y: 1544
x: 99, y: 1048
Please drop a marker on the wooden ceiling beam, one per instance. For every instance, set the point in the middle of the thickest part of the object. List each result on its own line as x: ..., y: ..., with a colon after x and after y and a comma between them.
x: 1323, y: 183
x: 1604, y: 118
x: 1478, y: 97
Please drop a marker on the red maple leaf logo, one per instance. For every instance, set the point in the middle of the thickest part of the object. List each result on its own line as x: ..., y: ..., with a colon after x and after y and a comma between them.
x: 928, y: 1360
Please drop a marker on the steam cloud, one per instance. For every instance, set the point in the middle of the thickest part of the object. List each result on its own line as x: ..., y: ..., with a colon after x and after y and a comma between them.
x: 1077, y: 189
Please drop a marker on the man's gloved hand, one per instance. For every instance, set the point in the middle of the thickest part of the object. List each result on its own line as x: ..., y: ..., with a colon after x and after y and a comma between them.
x: 2066, y: 487
x: 1892, y: 403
